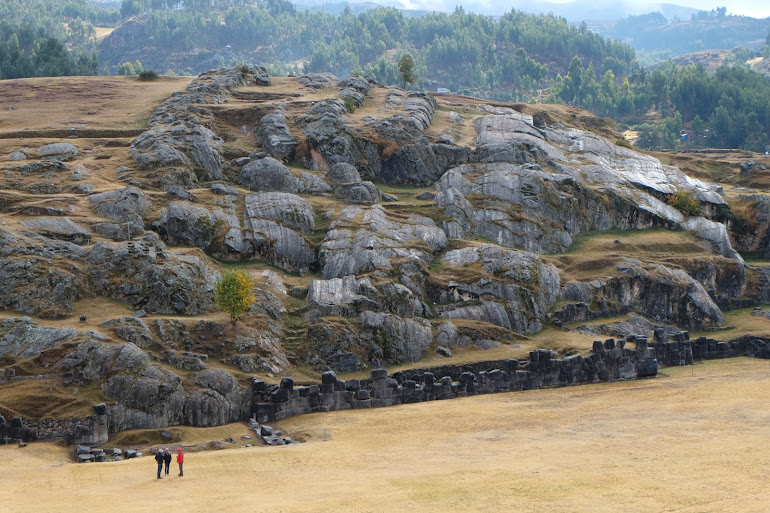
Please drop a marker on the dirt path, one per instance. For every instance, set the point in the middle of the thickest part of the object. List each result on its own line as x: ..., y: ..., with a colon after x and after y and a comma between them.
x: 693, y: 441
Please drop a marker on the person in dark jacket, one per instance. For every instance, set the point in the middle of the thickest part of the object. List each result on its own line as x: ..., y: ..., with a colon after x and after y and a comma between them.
x: 159, y: 459
x: 167, y: 459
x: 180, y: 460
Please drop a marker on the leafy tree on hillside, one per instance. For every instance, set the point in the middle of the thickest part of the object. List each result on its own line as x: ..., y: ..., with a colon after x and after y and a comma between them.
x: 234, y: 293
x: 406, y: 69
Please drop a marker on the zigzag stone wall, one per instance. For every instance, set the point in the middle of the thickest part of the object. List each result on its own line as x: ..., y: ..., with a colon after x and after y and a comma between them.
x: 683, y: 351
x: 608, y: 362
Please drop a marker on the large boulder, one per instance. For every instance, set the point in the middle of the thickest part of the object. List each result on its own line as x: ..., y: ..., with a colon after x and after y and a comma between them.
x: 126, y: 206
x: 361, y: 192
x: 58, y: 151
x: 288, y: 209
x: 220, y: 400
x: 364, y: 239
x: 268, y: 174
x: 217, y: 233
x: 343, y: 172
x: 274, y: 136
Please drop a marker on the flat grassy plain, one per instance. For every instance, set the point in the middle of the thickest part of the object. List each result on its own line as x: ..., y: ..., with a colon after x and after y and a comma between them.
x: 692, y: 440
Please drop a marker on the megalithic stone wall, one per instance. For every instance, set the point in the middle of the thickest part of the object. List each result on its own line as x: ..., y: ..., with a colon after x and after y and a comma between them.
x: 84, y: 431
x: 678, y: 349
x: 608, y: 362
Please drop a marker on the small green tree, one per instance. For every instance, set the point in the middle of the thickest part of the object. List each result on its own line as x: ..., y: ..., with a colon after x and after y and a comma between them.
x: 235, y: 293
x: 406, y: 69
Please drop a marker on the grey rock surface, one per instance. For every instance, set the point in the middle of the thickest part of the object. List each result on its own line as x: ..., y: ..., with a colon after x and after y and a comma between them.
x: 343, y: 172
x: 288, y: 209
x: 274, y: 136
x: 361, y: 192
x: 58, y: 151
x: 364, y: 239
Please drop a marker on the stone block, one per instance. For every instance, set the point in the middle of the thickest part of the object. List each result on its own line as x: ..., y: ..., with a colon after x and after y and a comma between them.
x: 362, y: 395
x: 353, y: 385
x: 287, y: 383
x: 279, y: 396
x: 328, y: 377
x: 379, y: 374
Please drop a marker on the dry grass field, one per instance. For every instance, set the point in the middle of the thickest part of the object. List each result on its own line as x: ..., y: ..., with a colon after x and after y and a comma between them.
x: 692, y: 440
x: 82, y: 102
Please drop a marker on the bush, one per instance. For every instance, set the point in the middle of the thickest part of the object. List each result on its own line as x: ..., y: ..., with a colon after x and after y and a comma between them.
x: 685, y: 202
x: 148, y: 75
x: 350, y: 104
x: 624, y: 143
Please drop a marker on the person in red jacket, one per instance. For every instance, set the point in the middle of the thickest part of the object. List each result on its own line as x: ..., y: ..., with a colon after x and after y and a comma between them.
x: 180, y: 460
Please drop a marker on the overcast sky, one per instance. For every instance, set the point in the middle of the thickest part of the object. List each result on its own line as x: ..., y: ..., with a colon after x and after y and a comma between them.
x: 754, y: 8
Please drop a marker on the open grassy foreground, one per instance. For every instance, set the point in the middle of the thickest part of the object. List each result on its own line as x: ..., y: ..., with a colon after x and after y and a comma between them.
x: 692, y: 440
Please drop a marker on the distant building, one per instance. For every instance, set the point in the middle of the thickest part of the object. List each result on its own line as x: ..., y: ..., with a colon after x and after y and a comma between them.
x: 442, y: 90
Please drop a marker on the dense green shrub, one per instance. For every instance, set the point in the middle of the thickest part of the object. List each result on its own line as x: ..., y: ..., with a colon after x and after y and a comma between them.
x: 685, y: 202
x: 148, y: 75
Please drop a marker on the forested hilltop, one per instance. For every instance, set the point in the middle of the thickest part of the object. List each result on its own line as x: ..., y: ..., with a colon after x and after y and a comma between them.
x: 516, y: 57
x: 656, y: 38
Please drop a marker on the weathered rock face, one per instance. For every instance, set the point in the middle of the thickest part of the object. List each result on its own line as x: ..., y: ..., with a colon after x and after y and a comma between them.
x: 511, y: 289
x: 126, y: 205
x: 151, y: 398
x: 365, y: 240
x: 267, y: 174
x: 217, y: 233
x: 179, y: 145
x: 274, y: 136
x: 318, y: 80
x: 289, y: 209
x: 331, y: 141
x: 20, y: 336
x: 349, y: 296
x: 524, y: 207
x: 131, y: 329
x: 343, y: 173
x: 361, y: 192
x: 145, y: 275
x: 58, y: 151
x: 29, y: 283
x: 657, y: 292
x: 271, y: 221
x: 58, y: 228
x: 749, y: 232
x: 376, y: 339
x: 220, y: 400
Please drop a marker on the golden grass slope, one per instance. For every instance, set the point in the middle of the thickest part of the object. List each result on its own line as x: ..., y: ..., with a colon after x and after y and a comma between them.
x: 692, y: 440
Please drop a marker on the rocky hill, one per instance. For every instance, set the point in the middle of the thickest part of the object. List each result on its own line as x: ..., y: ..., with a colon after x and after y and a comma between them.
x: 382, y: 227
